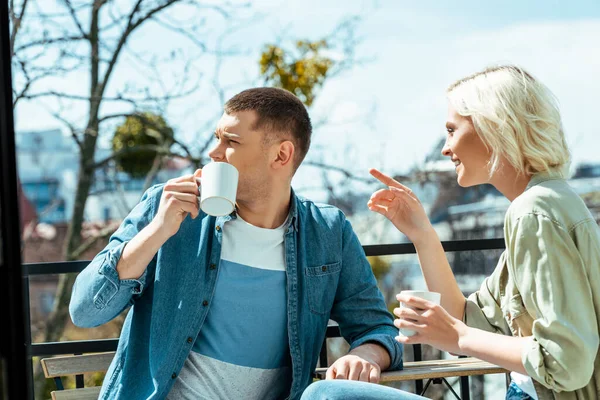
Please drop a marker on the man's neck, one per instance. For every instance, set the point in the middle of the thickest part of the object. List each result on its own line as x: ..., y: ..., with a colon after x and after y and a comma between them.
x: 269, y: 212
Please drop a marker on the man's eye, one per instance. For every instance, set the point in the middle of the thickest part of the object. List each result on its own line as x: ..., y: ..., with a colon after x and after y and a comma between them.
x: 450, y: 130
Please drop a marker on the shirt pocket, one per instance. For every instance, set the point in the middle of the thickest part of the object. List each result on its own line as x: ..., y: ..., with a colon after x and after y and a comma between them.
x: 322, y: 281
x: 518, y: 318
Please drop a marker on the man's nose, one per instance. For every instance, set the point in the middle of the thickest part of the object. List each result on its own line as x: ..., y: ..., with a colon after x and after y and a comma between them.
x: 216, y: 154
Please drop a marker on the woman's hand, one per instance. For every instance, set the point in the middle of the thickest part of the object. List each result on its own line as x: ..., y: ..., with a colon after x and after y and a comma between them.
x: 431, y: 323
x: 400, y: 205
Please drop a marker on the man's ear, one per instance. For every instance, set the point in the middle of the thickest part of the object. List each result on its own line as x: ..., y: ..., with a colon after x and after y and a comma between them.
x: 285, y: 154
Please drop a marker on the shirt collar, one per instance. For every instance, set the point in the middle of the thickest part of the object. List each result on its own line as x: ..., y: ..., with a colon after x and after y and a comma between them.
x: 540, y: 177
x: 292, y: 215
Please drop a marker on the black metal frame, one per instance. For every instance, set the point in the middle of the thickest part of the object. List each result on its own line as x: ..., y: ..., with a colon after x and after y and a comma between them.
x: 17, y: 373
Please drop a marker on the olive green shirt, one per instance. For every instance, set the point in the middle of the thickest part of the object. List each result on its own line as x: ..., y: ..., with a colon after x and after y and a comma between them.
x: 546, y: 287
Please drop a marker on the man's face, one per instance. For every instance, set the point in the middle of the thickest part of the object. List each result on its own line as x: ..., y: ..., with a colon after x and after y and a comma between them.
x: 241, y: 146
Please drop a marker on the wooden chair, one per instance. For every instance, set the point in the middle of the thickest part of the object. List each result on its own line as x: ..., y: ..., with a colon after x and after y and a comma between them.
x: 58, y: 367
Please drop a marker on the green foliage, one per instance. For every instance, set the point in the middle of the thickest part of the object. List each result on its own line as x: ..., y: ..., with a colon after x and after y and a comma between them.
x: 380, y: 266
x: 145, y: 129
x: 302, y: 71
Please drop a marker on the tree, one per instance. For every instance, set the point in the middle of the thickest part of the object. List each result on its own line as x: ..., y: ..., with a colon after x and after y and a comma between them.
x: 146, y: 136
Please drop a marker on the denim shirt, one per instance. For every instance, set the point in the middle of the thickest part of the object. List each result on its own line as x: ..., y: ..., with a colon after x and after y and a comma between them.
x: 328, y: 276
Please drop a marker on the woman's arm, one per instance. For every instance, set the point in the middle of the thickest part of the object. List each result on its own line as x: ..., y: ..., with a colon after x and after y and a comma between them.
x: 438, y: 273
x: 400, y: 205
x: 435, y: 326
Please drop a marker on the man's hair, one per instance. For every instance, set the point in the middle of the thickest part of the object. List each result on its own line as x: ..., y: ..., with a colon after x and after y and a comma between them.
x: 280, y: 114
x: 516, y: 116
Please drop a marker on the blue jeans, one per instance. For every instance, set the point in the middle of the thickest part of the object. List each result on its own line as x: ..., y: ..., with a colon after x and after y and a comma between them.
x: 342, y: 389
x: 515, y: 393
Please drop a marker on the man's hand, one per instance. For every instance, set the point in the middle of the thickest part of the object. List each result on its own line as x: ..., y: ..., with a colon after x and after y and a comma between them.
x: 179, y: 198
x: 364, y: 363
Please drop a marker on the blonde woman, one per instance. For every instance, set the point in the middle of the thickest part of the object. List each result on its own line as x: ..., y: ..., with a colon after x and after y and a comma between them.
x: 538, y: 313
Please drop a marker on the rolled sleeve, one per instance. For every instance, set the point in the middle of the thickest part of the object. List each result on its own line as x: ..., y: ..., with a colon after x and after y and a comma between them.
x: 359, y: 307
x: 384, y: 338
x: 552, y: 279
x: 108, y: 269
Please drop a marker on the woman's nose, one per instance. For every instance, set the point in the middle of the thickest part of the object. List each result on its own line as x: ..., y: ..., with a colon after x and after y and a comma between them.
x: 446, y: 149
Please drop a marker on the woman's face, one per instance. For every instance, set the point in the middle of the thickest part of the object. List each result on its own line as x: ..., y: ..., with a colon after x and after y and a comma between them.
x: 467, y: 150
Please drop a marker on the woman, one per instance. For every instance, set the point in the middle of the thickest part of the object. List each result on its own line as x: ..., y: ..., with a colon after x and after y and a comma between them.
x: 538, y: 313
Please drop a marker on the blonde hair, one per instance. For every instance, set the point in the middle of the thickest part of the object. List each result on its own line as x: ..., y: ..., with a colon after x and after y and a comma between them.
x: 516, y: 116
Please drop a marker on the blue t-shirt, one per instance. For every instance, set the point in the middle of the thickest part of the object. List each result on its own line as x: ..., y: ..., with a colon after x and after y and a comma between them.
x: 242, y: 350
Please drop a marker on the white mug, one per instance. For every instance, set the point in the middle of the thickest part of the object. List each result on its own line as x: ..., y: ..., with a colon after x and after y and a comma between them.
x: 218, y: 188
x: 434, y: 297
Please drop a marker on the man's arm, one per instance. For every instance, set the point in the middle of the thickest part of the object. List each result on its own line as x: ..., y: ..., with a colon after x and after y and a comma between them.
x: 361, y: 312
x: 98, y: 293
x: 108, y: 285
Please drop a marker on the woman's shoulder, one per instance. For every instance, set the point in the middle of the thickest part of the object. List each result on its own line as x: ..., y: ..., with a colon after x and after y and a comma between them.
x: 553, y: 199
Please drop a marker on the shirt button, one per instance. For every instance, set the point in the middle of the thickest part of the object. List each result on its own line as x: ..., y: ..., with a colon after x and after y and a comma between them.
x: 212, y: 266
x: 174, y: 375
x: 324, y: 268
x: 218, y: 228
x: 190, y: 340
x: 205, y: 303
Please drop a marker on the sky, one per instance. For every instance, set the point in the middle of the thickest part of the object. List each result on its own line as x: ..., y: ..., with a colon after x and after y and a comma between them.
x: 389, y: 110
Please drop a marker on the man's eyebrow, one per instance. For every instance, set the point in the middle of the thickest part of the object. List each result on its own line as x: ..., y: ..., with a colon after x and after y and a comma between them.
x: 231, y: 135
x: 450, y: 124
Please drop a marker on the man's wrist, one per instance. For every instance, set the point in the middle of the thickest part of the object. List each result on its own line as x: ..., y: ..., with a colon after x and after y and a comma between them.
x: 157, y: 232
x: 374, y: 353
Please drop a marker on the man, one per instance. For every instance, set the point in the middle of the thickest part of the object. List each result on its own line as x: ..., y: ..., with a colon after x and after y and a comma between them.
x: 237, y: 306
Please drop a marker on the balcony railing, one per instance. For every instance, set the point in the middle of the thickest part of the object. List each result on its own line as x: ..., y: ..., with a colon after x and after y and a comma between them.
x: 103, y: 345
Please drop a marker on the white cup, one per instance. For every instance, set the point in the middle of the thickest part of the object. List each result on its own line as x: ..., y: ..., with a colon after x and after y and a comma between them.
x: 218, y: 188
x: 434, y: 297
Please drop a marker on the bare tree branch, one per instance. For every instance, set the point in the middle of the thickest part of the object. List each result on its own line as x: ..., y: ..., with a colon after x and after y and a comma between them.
x: 181, y: 31
x: 156, y: 166
x: 138, y: 149
x: 133, y: 101
x: 73, y: 13
x: 343, y: 171
x: 152, y: 124
x: 131, y: 26
x: 103, y: 234
x: 48, y: 41
x: 71, y: 127
x: 17, y: 20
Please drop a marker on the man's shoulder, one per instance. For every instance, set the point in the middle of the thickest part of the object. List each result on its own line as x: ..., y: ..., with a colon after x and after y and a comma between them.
x: 325, y: 209
x: 154, y: 190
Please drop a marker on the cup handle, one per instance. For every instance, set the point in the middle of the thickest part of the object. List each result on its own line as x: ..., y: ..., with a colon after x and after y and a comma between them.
x: 199, y: 182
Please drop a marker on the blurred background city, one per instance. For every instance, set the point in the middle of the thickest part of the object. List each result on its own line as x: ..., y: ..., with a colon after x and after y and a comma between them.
x: 111, y: 97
